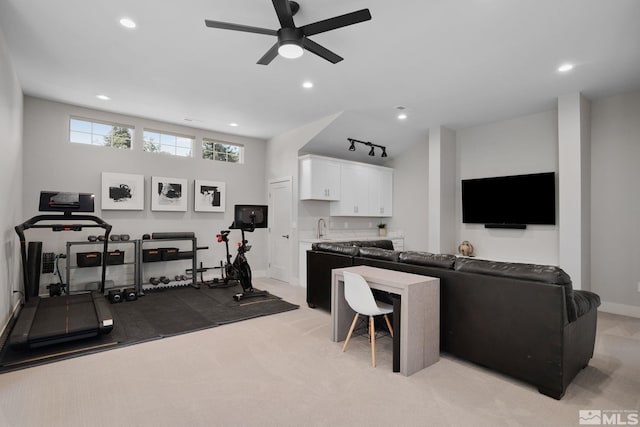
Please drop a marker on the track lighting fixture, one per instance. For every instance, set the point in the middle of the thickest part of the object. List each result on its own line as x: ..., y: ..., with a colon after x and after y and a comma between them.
x: 372, y: 151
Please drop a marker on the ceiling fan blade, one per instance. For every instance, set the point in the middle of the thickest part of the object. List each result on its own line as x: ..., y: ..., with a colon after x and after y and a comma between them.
x: 283, y: 10
x: 238, y: 27
x: 321, y: 51
x: 336, y: 22
x: 269, y: 56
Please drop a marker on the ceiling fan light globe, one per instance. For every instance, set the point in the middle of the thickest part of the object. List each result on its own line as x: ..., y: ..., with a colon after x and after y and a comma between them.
x: 290, y: 50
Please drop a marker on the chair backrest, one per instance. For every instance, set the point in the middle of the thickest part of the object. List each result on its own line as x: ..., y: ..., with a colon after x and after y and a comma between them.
x: 358, y: 294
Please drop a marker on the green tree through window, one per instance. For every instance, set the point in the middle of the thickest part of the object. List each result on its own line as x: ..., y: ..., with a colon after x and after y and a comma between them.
x: 222, y: 152
x: 119, y: 137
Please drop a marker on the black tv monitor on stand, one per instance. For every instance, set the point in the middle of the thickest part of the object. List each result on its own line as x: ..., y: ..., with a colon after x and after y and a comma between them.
x: 249, y: 217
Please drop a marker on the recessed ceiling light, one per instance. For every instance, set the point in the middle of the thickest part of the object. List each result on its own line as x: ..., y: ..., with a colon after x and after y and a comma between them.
x: 307, y: 85
x: 127, y: 23
x: 565, y: 68
x: 233, y: 124
x: 103, y: 97
x: 402, y: 116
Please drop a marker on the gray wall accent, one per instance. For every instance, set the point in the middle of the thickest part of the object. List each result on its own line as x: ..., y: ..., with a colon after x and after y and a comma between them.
x: 53, y: 163
x: 615, y: 204
x: 527, y: 144
x: 442, y: 190
x: 11, y: 178
x: 574, y: 187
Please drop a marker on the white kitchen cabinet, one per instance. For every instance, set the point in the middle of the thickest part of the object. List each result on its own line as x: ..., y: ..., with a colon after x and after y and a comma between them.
x: 319, y: 178
x: 365, y: 190
x: 303, y: 247
x: 354, y: 191
x: 380, y: 192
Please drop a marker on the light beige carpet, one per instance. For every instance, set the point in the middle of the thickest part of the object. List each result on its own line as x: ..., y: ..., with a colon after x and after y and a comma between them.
x: 283, y: 370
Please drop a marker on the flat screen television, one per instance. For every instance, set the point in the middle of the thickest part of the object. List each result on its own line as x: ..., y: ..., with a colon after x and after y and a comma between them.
x: 59, y: 201
x: 242, y: 216
x: 510, y: 200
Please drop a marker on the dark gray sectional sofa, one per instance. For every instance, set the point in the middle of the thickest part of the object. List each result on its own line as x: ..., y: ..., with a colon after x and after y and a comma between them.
x: 522, y: 320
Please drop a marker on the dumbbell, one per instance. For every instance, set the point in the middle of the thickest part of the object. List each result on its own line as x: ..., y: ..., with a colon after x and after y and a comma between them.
x: 115, y: 296
x: 154, y: 281
x: 130, y: 294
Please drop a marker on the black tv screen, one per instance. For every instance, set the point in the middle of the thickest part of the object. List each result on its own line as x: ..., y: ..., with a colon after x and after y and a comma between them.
x: 516, y: 199
x: 244, y: 216
x: 59, y: 201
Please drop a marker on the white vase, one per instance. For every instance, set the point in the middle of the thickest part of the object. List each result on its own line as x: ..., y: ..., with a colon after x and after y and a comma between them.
x: 382, y: 232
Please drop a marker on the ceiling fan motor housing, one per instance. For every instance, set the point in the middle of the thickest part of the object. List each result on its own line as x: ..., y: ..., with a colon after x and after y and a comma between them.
x: 290, y: 36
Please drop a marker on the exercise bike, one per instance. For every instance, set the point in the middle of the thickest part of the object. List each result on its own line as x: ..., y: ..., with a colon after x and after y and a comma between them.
x: 239, y: 270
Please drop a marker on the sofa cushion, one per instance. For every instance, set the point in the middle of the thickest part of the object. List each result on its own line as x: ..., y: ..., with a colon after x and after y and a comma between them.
x: 585, y: 301
x: 382, y: 244
x: 532, y: 272
x: 378, y: 253
x: 427, y: 259
x: 344, y: 248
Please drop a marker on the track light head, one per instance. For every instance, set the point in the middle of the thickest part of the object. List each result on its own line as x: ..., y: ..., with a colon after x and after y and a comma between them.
x: 384, y: 152
x: 352, y: 147
x: 372, y: 151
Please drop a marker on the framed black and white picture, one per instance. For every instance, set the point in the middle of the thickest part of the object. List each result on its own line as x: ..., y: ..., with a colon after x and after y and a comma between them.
x: 209, y: 196
x: 168, y: 194
x: 122, y: 191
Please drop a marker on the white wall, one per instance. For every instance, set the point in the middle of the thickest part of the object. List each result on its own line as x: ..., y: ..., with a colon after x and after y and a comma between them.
x: 281, y: 160
x: 410, y: 196
x: 615, y: 204
x: 53, y: 163
x: 527, y: 144
x: 11, y: 177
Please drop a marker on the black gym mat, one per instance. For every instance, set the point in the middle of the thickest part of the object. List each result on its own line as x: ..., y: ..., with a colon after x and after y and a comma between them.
x: 160, y: 313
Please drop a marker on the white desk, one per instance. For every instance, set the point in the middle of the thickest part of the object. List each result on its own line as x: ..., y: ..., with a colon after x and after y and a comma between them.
x: 419, y: 344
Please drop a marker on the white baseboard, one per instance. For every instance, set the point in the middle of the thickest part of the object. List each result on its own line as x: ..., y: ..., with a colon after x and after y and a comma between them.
x: 621, y: 309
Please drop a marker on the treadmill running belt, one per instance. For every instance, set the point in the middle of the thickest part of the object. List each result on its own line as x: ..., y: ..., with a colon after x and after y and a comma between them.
x: 66, y: 317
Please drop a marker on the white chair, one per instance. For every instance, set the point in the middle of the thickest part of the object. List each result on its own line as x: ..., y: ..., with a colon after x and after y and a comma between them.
x: 360, y: 298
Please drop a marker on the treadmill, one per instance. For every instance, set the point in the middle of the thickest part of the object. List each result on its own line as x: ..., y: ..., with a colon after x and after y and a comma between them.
x: 69, y: 317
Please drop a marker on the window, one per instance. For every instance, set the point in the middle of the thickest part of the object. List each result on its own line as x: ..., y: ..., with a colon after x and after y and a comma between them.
x: 105, y: 134
x: 176, y: 145
x: 221, y: 151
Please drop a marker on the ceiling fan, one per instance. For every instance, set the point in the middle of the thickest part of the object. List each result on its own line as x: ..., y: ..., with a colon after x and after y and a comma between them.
x: 291, y: 39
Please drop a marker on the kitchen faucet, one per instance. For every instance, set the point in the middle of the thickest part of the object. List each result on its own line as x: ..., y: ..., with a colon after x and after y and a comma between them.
x: 320, y: 235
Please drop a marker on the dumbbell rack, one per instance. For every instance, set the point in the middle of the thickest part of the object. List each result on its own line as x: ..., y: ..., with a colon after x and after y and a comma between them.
x: 194, y: 260
x: 137, y: 283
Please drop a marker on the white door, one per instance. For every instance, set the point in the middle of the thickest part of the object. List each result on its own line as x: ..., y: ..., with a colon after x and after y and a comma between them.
x: 280, y: 229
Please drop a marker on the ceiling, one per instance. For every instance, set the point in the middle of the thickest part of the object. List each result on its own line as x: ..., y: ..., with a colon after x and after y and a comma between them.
x: 450, y: 62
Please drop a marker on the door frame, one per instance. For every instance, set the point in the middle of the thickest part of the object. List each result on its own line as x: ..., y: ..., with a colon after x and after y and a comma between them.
x: 288, y: 179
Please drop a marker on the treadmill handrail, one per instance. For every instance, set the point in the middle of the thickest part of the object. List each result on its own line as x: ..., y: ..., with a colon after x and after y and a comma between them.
x: 67, y: 216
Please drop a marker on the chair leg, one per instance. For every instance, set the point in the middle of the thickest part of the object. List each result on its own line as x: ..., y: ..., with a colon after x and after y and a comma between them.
x: 353, y: 326
x: 389, y: 325
x: 372, y: 333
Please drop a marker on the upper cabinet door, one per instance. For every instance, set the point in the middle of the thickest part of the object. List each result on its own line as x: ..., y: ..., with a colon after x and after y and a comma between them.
x: 319, y: 178
x: 354, y: 191
x: 381, y: 192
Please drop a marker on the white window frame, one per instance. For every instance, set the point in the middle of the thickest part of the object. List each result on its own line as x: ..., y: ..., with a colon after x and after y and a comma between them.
x: 165, y: 147
x: 93, y: 135
x: 225, y: 143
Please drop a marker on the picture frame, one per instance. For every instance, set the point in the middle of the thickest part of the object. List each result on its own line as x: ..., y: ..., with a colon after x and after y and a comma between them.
x: 169, y: 194
x: 209, y: 196
x: 122, y: 191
